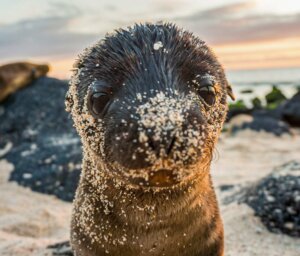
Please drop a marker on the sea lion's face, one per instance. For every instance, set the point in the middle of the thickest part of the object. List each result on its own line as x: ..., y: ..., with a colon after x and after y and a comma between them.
x: 149, y: 104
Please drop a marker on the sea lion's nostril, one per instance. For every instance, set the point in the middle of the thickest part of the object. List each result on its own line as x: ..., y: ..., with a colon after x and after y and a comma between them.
x: 151, y: 144
x: 165, y: 143
x: 170, y: 146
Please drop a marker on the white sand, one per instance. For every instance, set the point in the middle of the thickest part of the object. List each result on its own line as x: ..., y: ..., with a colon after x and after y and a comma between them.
x: 244, y: 159
x: 30, y: 221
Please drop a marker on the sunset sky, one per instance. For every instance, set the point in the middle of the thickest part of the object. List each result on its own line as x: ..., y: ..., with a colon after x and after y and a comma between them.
x: 244, y: 34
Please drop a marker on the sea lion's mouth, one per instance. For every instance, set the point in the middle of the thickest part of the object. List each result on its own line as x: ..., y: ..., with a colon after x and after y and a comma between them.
x: 159, y: 178
x: 152, y: 178
x: 162, y: 178
x: 162, y: 174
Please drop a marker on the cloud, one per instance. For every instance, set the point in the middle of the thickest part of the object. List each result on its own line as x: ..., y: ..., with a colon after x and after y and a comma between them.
x: 222, y: 11
x: 44, y: 36
x: 238, y: 23
x: 56, y: 34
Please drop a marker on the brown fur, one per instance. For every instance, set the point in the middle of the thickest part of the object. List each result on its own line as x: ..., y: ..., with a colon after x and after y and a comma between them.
x: 184, y: 222
x: 15, y: 76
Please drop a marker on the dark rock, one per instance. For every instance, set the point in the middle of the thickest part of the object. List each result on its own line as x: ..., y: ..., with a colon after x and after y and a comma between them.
x: 237, y: 108
x: 268, y: 124
x: 61, y: 249
x: 259, y: 123
x: 291, y: 110
x: 274, y: 113
x: 226, y: 187
x: 44, y: 141
x: 274, y: 98
x: 246, y: 91
x: 256, y: 103
x: 276, y: 199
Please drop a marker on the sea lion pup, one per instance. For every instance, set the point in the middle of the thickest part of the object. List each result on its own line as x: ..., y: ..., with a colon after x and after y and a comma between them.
x: 15, y: 76
x: 149, y: 103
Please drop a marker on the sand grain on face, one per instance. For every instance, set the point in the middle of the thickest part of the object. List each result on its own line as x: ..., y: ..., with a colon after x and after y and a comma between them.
x: 157, y: 45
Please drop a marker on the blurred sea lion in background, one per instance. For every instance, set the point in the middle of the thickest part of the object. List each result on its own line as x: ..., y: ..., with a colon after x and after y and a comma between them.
x: 15, y: 76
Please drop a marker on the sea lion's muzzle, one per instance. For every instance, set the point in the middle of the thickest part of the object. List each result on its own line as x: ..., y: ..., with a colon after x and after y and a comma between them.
x: 163, y: 135
x: 157, y: 178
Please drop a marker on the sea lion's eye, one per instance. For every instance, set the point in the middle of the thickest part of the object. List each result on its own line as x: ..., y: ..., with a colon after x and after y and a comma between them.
x: 207, y: 91
x: 98, y: 99
x: 98, y: 102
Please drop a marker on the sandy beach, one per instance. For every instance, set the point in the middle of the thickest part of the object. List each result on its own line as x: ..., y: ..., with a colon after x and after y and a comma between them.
x: 31, y: 221
x: 244, y: 160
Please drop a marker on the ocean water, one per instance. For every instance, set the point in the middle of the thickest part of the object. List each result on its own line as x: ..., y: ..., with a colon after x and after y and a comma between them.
x: 262, y: 80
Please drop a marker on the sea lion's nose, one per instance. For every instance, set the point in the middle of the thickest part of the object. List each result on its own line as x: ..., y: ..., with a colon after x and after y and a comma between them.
x: 163, y: 145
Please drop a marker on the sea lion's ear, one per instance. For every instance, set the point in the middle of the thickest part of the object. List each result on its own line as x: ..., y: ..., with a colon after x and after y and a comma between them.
x: 230, y: 92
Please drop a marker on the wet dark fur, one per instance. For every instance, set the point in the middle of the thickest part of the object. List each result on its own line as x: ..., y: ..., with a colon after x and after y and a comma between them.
x: 191, y: 217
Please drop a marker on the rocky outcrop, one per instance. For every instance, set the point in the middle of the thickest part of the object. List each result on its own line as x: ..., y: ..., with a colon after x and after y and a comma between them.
x: 61, y: 249
x: 38, y: 137
x: 258, y: 123
x: 291, y: 110
x: 276, y: 199
x: 274, y: 98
